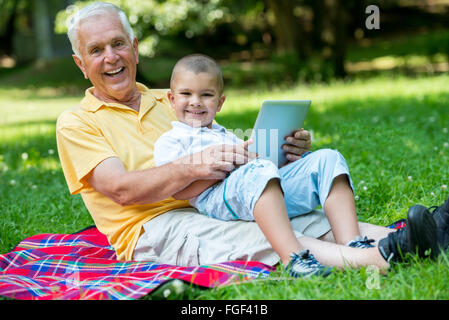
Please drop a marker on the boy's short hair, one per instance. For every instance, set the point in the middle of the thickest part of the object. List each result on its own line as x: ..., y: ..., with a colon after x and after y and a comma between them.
x: 198, y: 63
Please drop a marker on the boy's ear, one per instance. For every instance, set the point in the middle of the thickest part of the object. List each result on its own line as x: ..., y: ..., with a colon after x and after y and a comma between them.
x: 220, y: 102
x: 170, y: 97
x: 80, y: 65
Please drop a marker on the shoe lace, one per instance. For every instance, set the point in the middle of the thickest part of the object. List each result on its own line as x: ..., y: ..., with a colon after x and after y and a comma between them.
x: 397, y: 238
x: 305, y: 258
x: 362, y: 243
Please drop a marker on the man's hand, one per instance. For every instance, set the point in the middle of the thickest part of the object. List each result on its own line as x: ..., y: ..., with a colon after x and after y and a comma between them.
x: 298, y: 143
x: 217, y: 161
x: 212, y: 165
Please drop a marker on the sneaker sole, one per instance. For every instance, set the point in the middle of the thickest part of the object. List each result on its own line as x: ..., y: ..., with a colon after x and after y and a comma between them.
x: 319, y: 273
x: 442, y: 226
x: 422, y: 231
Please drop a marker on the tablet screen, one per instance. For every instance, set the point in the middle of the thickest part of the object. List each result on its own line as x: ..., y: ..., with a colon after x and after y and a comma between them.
x: 276, y: 120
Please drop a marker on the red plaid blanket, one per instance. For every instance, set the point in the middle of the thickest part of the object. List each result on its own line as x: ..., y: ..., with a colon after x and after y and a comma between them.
x: 84, y: 266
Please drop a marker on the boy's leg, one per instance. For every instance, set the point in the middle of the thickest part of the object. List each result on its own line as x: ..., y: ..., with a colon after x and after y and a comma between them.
x: 322, y: 178
x: 234, y: 198
x: 340, y: 210
x: 271, y: 215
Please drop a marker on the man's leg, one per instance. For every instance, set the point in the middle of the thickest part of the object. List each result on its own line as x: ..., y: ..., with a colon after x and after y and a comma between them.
x: 185, y: 237
x: 368, y: 230
x: 335, y: 255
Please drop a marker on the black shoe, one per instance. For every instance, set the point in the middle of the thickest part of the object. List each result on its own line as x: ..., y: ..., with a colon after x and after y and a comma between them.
x: 441, y: 217
x: 418, y: 236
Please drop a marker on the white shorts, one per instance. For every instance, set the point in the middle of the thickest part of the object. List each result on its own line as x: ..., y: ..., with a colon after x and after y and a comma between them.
x: 185, y: 237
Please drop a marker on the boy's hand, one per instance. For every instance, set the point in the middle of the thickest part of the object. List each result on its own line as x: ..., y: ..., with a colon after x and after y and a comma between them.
x: 298, y: 143
x: 244, y: 149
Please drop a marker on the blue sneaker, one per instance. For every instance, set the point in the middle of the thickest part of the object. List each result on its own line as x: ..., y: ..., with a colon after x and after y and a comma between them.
x: 360, y: 242
x: 304, y: 265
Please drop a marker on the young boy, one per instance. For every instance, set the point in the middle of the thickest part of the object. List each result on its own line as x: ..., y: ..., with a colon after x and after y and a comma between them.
x: 259, y: 190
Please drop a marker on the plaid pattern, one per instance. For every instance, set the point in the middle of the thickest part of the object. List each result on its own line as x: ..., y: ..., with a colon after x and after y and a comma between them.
x: 84, y: 266
x: 398, y: 224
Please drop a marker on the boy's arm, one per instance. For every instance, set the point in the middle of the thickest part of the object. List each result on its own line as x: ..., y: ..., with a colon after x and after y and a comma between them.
x: 195, y: 189
x: 167, y: 149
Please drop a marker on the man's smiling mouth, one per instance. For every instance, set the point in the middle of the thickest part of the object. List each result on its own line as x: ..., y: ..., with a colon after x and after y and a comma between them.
x: 115, y: 72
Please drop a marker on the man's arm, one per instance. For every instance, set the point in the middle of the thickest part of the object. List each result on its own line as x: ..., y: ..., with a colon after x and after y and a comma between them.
x: 155, y: 184
x: 195, y: 189
x: 138, y: 187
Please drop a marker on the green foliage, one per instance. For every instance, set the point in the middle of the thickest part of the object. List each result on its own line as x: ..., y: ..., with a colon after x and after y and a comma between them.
x: 153, y: 19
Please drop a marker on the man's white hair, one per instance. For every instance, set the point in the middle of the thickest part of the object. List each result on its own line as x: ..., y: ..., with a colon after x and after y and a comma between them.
x: 93, y: 9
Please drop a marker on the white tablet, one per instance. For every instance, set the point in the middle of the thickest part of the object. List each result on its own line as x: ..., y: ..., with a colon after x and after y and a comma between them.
x: 276, y: 120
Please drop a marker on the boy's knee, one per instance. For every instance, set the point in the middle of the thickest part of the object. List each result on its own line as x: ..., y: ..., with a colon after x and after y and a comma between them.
x: 329, y: 155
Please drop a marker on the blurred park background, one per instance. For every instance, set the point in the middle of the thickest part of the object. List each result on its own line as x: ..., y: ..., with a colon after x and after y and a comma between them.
x: 379, y: 91
x: 256, y: 41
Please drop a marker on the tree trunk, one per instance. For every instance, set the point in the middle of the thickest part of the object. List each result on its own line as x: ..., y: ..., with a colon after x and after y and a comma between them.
x: 339, y: 50
x: 334, y: 23
x: 7, y: 44
x: 43, y: 30
x: 319, y: 12
x: 286, y: 28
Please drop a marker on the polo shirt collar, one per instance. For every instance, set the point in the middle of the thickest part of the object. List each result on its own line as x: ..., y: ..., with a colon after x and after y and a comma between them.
x: 148, y: 99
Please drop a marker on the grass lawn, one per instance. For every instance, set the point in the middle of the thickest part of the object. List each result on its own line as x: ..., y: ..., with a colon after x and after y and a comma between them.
x: 393, y: 132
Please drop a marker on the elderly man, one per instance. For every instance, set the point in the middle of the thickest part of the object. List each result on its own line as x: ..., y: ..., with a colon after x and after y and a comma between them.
x: 106, y: 150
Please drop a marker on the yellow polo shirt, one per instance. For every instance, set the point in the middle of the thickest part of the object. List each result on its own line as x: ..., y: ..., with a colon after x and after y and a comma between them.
x: 95, y: 131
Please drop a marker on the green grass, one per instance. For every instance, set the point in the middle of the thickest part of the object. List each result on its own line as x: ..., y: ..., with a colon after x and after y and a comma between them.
x: 393, y: 132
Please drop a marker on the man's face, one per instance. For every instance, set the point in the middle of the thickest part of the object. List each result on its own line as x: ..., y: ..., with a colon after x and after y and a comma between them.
x: 195, y: 98
x: 108, y: 58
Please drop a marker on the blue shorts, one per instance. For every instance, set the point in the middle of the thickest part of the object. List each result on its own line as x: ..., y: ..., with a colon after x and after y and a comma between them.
x: 306, y: 184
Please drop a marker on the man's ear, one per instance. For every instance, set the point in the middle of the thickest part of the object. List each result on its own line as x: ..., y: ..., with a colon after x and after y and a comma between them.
x: 220, y: 102
x: 80, y: 65
x: 136, y: 49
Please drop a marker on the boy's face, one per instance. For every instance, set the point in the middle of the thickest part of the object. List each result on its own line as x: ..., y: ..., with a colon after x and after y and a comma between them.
x: 195, y: 98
